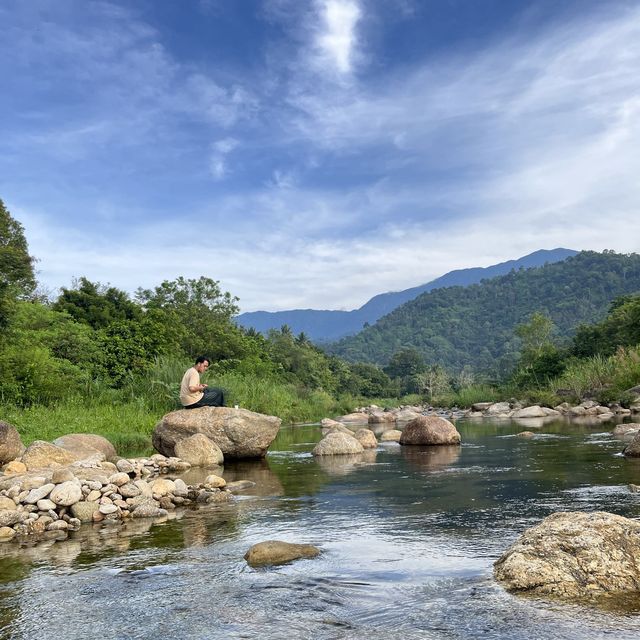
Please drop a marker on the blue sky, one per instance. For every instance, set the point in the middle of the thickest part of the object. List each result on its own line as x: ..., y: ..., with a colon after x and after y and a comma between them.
x: 314, y: 154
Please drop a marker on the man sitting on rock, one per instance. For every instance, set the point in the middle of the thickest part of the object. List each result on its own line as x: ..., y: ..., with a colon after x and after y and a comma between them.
x: 193, y: 394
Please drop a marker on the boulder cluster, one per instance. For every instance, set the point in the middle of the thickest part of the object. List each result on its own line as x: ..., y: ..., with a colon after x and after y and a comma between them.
x: 51, y: 502
x: 339, y: 439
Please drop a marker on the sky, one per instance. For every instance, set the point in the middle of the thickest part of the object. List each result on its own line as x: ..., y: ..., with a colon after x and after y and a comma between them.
x: 314, y: 153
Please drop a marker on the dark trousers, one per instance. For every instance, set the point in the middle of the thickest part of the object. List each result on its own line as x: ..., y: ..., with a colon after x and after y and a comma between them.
x: 212, y: 398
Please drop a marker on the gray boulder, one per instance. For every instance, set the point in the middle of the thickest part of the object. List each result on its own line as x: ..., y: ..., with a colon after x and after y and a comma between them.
x: 199, y: 451
x: 337, y: 443
x: 534, y: 411
x: 273, y: 552
x: 238, y: 432
x: 11, y: 446
x: 574, y: 555
x: 44, y: 455
x: 632, y: 450
x: 429, y: 430
x: 86, y: 445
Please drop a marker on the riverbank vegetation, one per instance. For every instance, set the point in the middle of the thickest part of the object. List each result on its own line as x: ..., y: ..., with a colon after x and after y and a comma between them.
x: 93, y: 358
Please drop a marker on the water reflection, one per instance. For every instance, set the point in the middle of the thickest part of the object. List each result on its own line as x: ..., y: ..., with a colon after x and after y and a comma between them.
x: 408, y: 534
x: 431, y: 459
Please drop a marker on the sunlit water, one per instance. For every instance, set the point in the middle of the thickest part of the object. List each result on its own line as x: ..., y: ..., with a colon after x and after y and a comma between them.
x: 408, y: 534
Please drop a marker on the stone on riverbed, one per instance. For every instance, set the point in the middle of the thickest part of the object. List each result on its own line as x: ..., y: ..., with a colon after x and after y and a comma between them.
x: 429, y: 430
x: 392, y: 435
x: 273, y: 552
x: 534, y: 411
x: 366, y: 438
x: 632, y: 450
x: 199, y: 451
x: 574, y: 555
x: 44, y: 455
x: 238, y: 432
x: 337, y: 443
x: 86, y: 445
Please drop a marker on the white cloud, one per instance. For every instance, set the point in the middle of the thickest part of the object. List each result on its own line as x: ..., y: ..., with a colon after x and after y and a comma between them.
x: 336, y: 40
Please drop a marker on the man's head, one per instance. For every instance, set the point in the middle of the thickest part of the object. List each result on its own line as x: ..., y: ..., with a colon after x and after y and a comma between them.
x: 202, y: 364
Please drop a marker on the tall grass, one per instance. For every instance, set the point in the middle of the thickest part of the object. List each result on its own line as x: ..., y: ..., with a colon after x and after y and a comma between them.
x: 468, y: 396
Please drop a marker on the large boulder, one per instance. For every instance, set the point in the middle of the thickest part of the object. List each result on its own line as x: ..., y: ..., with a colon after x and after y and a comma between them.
x: 574, y: 555
x: 627, y: 430
x: 406, y: 415
x: 238, y: 432
x: 632, y: 450
x: 337, y: 443
x: 273, y: 552
x: 199, y: 451
x: 382, y: 417
x: 11, y: 446
x: 498, y: 409
x: 429, y: 430
x: 86, y: 445
x: 534, y: 411
x: 366, y: 438
x: 44, y: 455
x: 358, y: 417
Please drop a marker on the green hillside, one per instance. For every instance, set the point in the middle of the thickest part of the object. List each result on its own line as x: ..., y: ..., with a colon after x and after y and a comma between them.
x: 474, y: 325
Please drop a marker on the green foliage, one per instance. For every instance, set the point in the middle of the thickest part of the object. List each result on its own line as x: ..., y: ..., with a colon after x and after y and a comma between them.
x: 97, y: 305
x: 466, y: 396
x: 16, y: 265
x: 621, y: 328
x: 460, y: 326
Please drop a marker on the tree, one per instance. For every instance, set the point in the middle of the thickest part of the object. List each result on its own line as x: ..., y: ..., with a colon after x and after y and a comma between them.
x: 16, y: 265
x: 97, y: 305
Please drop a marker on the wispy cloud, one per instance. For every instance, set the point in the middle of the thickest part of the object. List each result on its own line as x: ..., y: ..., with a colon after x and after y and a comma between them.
x: 336, y: 38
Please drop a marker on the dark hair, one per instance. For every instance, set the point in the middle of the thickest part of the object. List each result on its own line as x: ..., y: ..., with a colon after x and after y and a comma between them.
x: 200, y: 359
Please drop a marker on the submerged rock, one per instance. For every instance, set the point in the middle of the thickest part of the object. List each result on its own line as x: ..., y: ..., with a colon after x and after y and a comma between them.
x: 238, y: 432
x: 273, y: 552
x: 574, y: 555
x: 429, y: 430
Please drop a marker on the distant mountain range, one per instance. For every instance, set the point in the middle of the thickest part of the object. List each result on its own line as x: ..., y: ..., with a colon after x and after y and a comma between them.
x: 474, y: 325
x: 325, y: 326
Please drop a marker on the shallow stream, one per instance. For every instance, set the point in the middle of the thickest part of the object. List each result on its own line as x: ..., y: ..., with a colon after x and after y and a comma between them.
x: 408, y: 534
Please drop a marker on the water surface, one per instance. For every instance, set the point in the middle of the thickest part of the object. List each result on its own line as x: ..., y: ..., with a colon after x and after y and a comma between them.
x: 408, y: 534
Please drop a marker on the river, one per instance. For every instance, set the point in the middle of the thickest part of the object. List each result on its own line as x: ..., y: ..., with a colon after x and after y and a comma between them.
x: 408, y: 535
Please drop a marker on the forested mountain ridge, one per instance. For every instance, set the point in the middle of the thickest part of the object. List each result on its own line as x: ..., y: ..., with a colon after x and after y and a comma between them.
x: 474, y: 325
x: 324, y: 325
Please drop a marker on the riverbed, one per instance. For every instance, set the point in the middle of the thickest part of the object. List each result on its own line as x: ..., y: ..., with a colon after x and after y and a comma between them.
x: 408, y: 538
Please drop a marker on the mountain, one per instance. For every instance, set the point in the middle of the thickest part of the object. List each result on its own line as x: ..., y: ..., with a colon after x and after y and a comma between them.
x: 323, y: 326
x: 473, y: 325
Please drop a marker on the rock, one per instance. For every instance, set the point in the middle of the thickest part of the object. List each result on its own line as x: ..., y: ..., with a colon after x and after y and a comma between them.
x: 61, y: 475
x: 11, y: 446
x: 481, y: 406
x: 58, y: 525
x: 125, y: 466
x: 199, y: 451
x: 45, y: 504
x: 6, y: 534
x: 429, y: 430
x: 634, y: 488
x: 107, y: 509
x: 382, y: 417
x: 119, y: 479
x: 632, y: 450
x: 273, y: 552
x: 129, y: 490
x: 551, y: 412
x: 328, y: 422
x: 574, y: 555
x: 15, y: 467
x: 9, y: 518
x: 44, y: 455
x: 626, y: 430
x: 239, y: 433
x: 149, y: 508
x: 85, y: 445
x: 534, y: 411
x: 215, y: 481
x: 38, y: 494
x: 357, y: 417
x: 67, y: 493
x: 162, y: 487
x: 392, y: 435
x: 366, y: 438
x: 180, y: 488
x: 337, y: 443
x: 7, y: 504
x: 337, y: 427
x: 84, y: 510
x: 240, y: 485
x: 526, y: 434
x: 406, y: 415
x: 497, y: 408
